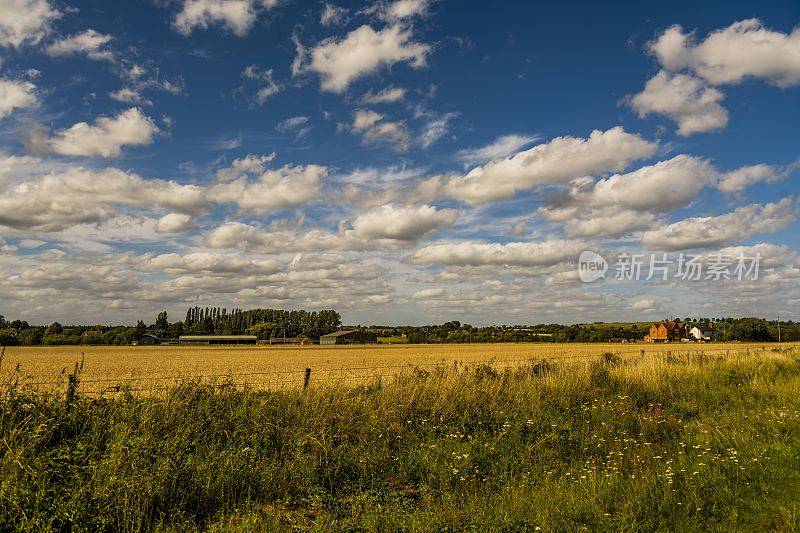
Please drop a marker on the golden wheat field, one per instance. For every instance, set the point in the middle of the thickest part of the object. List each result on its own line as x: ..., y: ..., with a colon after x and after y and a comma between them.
x: 105, y: 368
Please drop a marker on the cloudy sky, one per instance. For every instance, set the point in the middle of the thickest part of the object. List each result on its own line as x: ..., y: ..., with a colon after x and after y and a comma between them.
x: 407, y: 161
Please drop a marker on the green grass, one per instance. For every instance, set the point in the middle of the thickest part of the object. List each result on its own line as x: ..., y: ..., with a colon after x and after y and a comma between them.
x: 611, y: 446
x: 392, y: 340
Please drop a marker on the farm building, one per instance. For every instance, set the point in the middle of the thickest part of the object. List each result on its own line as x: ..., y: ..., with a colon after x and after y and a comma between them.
x: 217, y: 339
x: 349, y: 337
x: 148, y: 340
x: 291, y: 340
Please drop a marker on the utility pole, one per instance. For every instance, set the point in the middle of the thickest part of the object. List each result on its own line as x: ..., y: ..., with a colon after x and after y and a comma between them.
x: 779, y: 329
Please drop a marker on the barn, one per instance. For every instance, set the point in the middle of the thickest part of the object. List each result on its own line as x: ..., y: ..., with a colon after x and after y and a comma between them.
x: 349, y: 337
x: 148, y: 340
x: 217, y: 339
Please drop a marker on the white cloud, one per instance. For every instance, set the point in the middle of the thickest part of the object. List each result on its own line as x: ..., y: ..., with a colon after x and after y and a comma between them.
x: 268, y: 85
x: 296, y: 124
x: 744, y: 177
x: 25, y: 21
x: 212, y: 262
x: 436, y: 127
x: 333, y: 15
x: 374, y: 129
x: 106, y: 137
x: 247, y: 165
x: 559, y: 160
x: 743, y: 49
x: 703, y: 232
x: 237, y: 16
x: 127, y: 95
x: 89, y: 43
x: 694, y: 106
x: 400, y: 10
x: 283, y: 188
x: 593, y: 222
x: 661, y: 187
x: 426, y: 294
x: 361, y: 52
x: 402, y: 223
x: 284, y: 240
x: 498, y: 149
x: 510, y: 254
x: 75, y: 195
x: 16, y: 95
x: 385, y: 96
x: 174, y: 223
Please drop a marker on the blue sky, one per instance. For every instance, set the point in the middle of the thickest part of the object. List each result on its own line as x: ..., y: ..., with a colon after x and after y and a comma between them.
x: 405, y: 161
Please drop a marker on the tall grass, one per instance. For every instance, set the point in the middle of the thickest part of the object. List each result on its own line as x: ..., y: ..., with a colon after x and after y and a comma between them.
x: 644, y: 445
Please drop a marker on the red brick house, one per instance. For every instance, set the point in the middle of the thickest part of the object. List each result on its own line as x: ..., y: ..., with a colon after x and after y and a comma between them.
x: 667, y: 331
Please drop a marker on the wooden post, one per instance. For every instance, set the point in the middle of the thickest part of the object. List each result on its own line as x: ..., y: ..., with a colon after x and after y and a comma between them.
x: 642, y: 353
x: 306, y: 379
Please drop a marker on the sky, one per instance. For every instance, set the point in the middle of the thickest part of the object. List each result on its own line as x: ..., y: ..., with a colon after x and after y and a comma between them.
x: 400, y: 161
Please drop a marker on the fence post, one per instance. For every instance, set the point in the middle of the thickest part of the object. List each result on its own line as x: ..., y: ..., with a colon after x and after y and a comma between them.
x: 641, y: 353
x: 72, y: 386
x: 306, y: 379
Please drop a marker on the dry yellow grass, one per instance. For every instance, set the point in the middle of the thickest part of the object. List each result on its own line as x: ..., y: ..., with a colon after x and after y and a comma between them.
x: 266, y: 367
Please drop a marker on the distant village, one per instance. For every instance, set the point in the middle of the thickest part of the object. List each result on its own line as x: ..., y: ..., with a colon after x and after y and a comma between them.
x: 677, y: 331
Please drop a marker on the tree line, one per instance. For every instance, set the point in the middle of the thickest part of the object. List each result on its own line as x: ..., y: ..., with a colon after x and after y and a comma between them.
x: 264, y: 323
x: 269, y: 323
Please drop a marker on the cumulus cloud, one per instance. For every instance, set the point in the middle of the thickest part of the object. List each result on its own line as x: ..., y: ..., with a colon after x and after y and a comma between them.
x: 283, y: 188
x: 279, y: 239
x: 595, y: 222
x: 76, y: 195
x: 745, y: 177
x: 361, y: 52
x: 385, y: 96
x: 16, y: 95
x: 694, y: 106
x: 703, y: 232
x: 212, y: 262
x: 247, y: 165
x: 661, y: 187
x: 559, y: 160
x: 742, y: 50
x: 89, y: 43
x: 501, y: 147
x: 237, y: 16
x: 374, y: 130
x: 174, y: 223
x: 106, y: 137
x: 510, y: 254
x: 402, y: 223
x: 25, y: 21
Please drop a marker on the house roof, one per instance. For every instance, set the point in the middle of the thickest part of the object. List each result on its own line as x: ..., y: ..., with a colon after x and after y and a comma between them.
x: 340, y: 333
x: 218, y: 337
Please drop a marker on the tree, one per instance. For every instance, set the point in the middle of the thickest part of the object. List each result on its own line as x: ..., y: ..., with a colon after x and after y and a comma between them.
x: 141, y: 329
x: 162, y: 321
x: 54, y: 329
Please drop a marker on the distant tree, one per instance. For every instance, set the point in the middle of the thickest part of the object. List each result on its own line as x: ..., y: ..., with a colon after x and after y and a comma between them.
x: 31, y: 336
x: 141, y: 329
x: 54, y: 329
x: 162, y: 321
x: 8, y: 337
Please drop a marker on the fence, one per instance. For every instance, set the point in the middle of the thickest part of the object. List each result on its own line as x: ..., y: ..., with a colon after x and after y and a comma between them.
x: 354, y: 375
